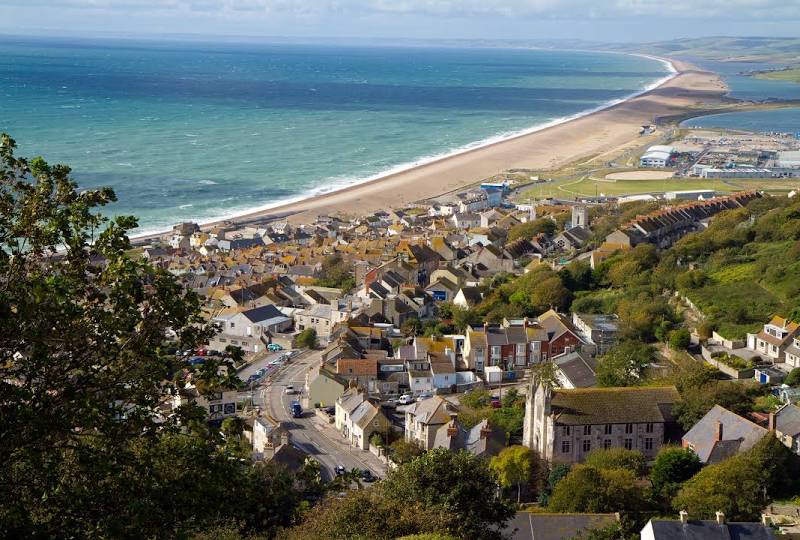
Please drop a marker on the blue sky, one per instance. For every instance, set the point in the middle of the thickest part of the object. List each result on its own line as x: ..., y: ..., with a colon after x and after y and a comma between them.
x: 607, y: 20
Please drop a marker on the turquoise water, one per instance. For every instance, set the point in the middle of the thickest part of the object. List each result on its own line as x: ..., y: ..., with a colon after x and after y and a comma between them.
x: 752, y: 89
x: 203, y: 131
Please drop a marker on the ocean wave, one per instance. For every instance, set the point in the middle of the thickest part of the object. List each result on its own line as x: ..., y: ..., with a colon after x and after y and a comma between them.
x: 208, y: 182
x: 185, y: 206
x: 125, y: 164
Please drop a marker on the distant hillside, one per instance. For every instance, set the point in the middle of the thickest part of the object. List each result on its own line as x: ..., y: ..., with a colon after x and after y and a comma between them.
x: 726, y: 49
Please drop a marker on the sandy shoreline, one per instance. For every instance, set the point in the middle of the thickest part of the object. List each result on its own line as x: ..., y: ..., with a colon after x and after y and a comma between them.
x: 553, y: 146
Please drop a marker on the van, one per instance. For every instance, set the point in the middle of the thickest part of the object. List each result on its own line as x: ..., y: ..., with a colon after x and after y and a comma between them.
x: 297, y: 409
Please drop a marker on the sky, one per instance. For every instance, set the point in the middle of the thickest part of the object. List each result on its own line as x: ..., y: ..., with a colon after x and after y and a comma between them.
x: 593, y: 20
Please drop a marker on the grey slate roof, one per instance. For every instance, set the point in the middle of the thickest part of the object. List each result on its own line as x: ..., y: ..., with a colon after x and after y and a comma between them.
x: 709, y: 530
x: 593, y: 406
x: 470, y: 440
x: 577, y: 369
x: 531, y: 526
x: 743, y: 433
x: 787, y: 420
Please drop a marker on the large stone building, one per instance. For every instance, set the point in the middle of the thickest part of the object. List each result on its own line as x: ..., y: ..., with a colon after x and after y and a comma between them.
x: 564, y: 426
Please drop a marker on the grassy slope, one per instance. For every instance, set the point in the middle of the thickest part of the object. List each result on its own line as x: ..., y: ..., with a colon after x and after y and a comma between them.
x: 791, y: 74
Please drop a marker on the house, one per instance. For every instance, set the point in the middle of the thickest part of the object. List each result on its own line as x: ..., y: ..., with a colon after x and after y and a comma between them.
x: 442, y: 290
x: 707, y: 529
x: 597, y: 330
x: 466, y: 220
x: 482, y: 440
x: 443, y: 371
x: 268, y: 436
x: 545, y: 526
x: 345, y: 405
x: 364, y: 421
x: 512, y: 345
x: 657, y: 156
x: 468, y: 297
x: 576, y: 370
x: 360, y: 370
x: 792, y: 353
x: 562, y: 337
x: 323, y: 387
x: 721, y: 434
x: 774, y: 339
x: 787, y: 427
x: 251, y: 330
x: 424, y: 418
x: 322, y: 318
x: 573, y: 238
x: 218, y: 405
x: 565, y: 425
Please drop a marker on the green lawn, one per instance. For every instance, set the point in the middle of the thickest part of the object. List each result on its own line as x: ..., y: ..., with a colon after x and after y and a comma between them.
x: 790, y: 74
x: 637, y: 187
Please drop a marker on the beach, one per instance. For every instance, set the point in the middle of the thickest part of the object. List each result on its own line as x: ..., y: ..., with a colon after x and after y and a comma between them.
x: 551, y: 147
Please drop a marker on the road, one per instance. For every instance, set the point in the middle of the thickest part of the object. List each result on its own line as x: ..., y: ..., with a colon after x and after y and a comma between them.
x: 308, y: 433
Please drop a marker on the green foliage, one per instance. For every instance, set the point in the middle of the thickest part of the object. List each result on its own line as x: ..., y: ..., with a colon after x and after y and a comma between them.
x: 610, y: 532
x: 463, y: 317
x: 336, y: 273
x: 84, y: 452
x: 556, y: 473
x: 458, y: 484
x: 512, y: 397
x: 531, y: 228
x: 307, y: 339
x: 617, y: 458
x: 793, y: 378
x: 509, y: 419
x: 515, y: 466
x: 679, y: 339
x: 589, y: 489
x: 476, y: 398
x: 405, y: 451
x: 624, y: 363
x: 673, y: 466
x: 696, y: 401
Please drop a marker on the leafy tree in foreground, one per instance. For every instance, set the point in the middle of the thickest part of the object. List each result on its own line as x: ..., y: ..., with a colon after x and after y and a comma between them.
x: 673, y: 466
x: 618, y: 458
x: 589, y: 489
x: 84, y: 451
x: 459, y: 485
x: 404, y: 451
x: 514, y: 466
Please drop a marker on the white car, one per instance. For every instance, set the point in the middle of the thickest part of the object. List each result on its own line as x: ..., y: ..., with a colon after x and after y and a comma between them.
x: 290, y: 389
x: 406, y: 399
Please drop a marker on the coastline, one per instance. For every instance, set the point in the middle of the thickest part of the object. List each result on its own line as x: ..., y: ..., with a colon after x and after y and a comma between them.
x: 542, y: 146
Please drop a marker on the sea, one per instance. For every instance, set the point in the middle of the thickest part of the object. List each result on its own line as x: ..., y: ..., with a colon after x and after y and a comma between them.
x: 744, y: 87
x: 203, y: 131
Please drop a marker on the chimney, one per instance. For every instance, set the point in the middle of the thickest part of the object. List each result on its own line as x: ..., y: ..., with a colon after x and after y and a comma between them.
x: 525, y: 322
x: 485, y: 327
x: 684, y: 516
x: 771, y: 422
x: 284, y: 438
x: 766, y: 521
x: 485, y: 431
x: 720, y: 518
x: 452, y: 428
x: 718, y: 434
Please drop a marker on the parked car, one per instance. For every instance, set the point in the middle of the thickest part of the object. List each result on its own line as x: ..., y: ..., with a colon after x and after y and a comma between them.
x: 496, y: 403
x: 339, y: 470
x: 252, y: 378
x: 290, y: 389
x: 330, y: 411
x: 274, y: 347
x: 406, y: 399
x: 425, y: 395
x: 367, y: 476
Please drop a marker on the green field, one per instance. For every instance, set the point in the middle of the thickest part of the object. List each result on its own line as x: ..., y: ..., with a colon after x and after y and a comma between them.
x: 789, y: 74
x: 636, y: 187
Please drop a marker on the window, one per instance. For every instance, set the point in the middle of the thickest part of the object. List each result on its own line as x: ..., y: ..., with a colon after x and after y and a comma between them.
x: 648, y: 443
x: 587, y: 445
x: 628, y: 428
x: 607, y: 430
x: 565, y: 447
x: 587, y: 430
x: 628, y: 444
x: 648, y: 428
x: 233, y: 325
x: 565, y: 430
x: 607, y: 444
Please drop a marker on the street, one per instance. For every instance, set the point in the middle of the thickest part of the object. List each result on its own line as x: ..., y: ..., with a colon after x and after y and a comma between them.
x: 310, y: 433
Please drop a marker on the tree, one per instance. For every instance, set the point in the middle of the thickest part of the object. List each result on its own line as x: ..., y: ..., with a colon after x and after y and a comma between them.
x: 307, y: 339
x: 680, y: 339
x: 617, y: 458
x: 235, y: 353
x: 530, y: 229
x: 589, y: 489
x: 733, y: 486
x: 476, y: 398
x: 463, y: 317
x: 556, y: 473
x: 458, y: 484
x: 696, y: 401
x: 515, y: 465
x: 83, y: 448
x: 623, y: 364
x: 673, y: 466
x: 405, y: 451
x: 793, y: 378
x: 609, y: 532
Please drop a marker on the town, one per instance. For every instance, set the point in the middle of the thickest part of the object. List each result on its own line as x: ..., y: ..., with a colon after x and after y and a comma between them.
x: 361, y: 343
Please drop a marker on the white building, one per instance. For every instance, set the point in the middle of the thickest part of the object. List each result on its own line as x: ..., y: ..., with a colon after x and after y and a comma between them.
x: 424, y: 418
x: 656, y: 156
x: 322, y: 318
x: 251, y: 330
